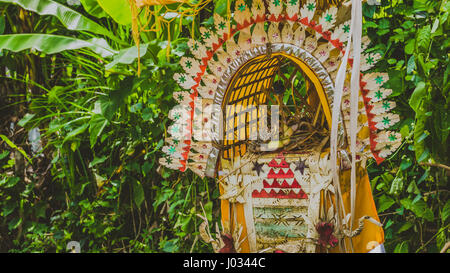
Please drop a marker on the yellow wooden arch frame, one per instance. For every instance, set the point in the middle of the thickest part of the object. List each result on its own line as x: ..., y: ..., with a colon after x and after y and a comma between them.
x: 371, y: 236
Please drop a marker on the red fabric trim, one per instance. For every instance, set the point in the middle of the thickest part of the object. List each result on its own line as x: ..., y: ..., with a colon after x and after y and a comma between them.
x: 304, y: 21
x: 280, y: 195
x: 284, y: 185
x: 275, y: 164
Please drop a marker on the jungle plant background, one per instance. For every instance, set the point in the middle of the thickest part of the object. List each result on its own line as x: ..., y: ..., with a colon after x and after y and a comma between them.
x: 92, y: 176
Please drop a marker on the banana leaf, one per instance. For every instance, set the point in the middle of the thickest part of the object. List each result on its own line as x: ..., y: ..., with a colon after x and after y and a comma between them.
x: 51, y: 44
x: 119, y: 10
x: 69, y: 18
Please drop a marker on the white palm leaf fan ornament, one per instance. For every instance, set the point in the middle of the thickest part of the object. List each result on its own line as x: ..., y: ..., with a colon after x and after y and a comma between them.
x: 360, y: 103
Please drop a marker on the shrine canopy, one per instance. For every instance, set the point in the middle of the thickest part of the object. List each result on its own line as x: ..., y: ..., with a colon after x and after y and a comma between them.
x: 312, y: 34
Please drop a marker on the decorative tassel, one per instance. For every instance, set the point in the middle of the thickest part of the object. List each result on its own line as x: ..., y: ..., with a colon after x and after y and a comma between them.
x: 135, y: 31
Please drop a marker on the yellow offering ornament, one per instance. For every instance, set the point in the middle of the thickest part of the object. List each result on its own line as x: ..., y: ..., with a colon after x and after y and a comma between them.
x: 278, y: 108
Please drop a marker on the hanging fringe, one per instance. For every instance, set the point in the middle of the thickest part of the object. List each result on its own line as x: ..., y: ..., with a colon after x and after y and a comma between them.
x: 184, y: 9
x: 168, y: 43
x: 135, y: 31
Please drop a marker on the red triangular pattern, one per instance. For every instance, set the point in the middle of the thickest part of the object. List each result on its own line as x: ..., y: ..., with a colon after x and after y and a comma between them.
x: 275, y: 184
x: 280, y: 195
x: 215, y: 46
x: 271, y: 174
x: 295, y: 184
x: 289, y: 174
x: 273, y: 163
x: 285, y: 185
x: 293, y: 18
x: 304, y: 21
x: 260, y: 18
x: 283, y: 164
x: 280, y: 156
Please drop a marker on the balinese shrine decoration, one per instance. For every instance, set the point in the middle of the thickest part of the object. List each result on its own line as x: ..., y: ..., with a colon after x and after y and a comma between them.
x: 297, y: 75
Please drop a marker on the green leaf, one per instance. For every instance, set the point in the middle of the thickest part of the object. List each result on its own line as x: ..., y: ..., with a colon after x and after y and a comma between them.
x: 9, y: 207
x: 2, y: 24
x: 14, y: 146
x: 401, y: 248
x: 410, y: 45
x: 385, y: 202
x: 119, y: 10
x: 136, y: 107
x: 69, y: 18
x: 397, y: 184
x: 423, y: 39
x: 97, y: 160
x: 208, y: 209
x: 93, y: 8
x: 445, y: 211
x: 404, y: 131
x: 384, y: 24
x: 396, y: 82
x: 9, y: 182
x: 96, y: 126
x: 369, y: 10
x: 419, y: 131
x: 406, y: 203
x: 423, y: 177
x: 138, y: 193
x: 76, y: 132
x: 425, y: 154
x: 26, y: 119
x: 424, y: 5
x: 146, y: 168
x: 412, y: 188
x: 418, y: 208
x: 428, y: 215
x: 14, y: 223
x: 147, y: 114
x: 435, y: 25
x: 405, y: 227
x: 162, y: 197
x: 4, y: 154
x: 441, y: 239
x: 370, y: 24
x: 406, y: 163
x: 127, y: 56
x: 220, y: 7
x: 391, y: 61
x: 417, y: 198
x: 411, y: 66
x: 170, y: 247
x: 184, y: 222
x: 408, y: 25
x: 441, y: 122
x: 417, y: 96
x: 115, y: 99
x: 51, y: 44
x: 40, y: 209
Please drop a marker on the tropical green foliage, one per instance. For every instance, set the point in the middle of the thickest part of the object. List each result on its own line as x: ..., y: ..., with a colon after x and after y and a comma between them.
x: 96, y: 180
x: 71, y: 71
x: 411, y: 188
